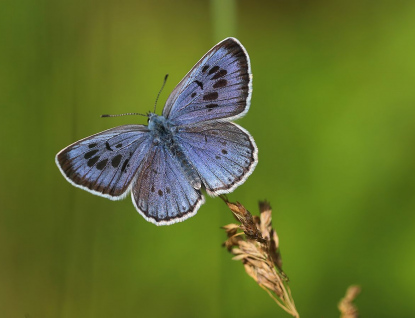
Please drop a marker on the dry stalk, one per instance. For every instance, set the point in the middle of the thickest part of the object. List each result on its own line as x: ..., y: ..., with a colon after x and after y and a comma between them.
x: 346, y: 306
x: 257, y: 247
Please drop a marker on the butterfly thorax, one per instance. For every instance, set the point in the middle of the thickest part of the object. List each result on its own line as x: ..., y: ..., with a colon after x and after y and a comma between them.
x: 163, y: 133
x: 159, y: 126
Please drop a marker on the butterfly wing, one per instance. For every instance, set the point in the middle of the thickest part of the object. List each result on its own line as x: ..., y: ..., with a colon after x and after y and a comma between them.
x: 219, y: 86
x: 106, y: 163
x: 223, y: 153
x: 162, y: 193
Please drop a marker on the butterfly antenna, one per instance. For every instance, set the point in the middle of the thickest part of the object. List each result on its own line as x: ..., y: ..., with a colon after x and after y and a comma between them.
x: 158, y: 95
x: 126, y: 114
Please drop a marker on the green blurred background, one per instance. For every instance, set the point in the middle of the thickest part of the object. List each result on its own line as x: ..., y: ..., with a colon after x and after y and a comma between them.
x: 333, y: 115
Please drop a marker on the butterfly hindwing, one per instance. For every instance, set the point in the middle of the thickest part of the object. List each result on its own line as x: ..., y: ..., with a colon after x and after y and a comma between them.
x: 223, y: 153
x: 218, y: 87
x: 106, y: 163
x: 162, y: 193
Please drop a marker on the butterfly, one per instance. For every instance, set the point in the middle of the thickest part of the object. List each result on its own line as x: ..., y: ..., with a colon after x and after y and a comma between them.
x: 193, y: 145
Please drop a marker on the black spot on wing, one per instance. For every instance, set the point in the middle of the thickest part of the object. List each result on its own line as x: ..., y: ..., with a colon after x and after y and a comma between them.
x: 116, y: 161
x: 213, y: 70
x: 93, y: 145
x: 107, y: 145
x: 221, y: 83
x: 90, y: 154
x: 210, y: 107
x: 205, y: 68
x: 91, y: 162
x: 220, y: 74
x: 125, y: 165
x: 211, y: 96
x: 200, y: 84
x: 101, y: 165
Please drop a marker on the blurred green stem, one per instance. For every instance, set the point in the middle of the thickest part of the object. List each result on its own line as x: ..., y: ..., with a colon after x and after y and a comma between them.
x: 223, y: 18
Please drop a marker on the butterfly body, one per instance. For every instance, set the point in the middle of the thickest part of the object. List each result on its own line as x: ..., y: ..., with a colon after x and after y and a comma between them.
x: 163, y: 135
x: 192, y: 145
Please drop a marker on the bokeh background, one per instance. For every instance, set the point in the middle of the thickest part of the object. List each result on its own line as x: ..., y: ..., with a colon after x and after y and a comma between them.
x: 333, y: 115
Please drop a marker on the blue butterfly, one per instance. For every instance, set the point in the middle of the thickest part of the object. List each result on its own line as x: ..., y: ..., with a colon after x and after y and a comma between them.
x: 192, y: 145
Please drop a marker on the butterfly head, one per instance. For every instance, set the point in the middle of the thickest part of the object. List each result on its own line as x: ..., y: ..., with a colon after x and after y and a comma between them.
x: 155, y: 122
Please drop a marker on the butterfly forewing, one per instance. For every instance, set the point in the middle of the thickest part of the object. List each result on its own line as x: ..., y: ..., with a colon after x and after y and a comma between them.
x: 161, y: 193
x: 218, y: 87
x: 223, y: 153
x: 105, y: 163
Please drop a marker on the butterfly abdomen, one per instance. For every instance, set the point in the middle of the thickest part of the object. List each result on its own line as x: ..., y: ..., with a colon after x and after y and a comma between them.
x: 188, y: 169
